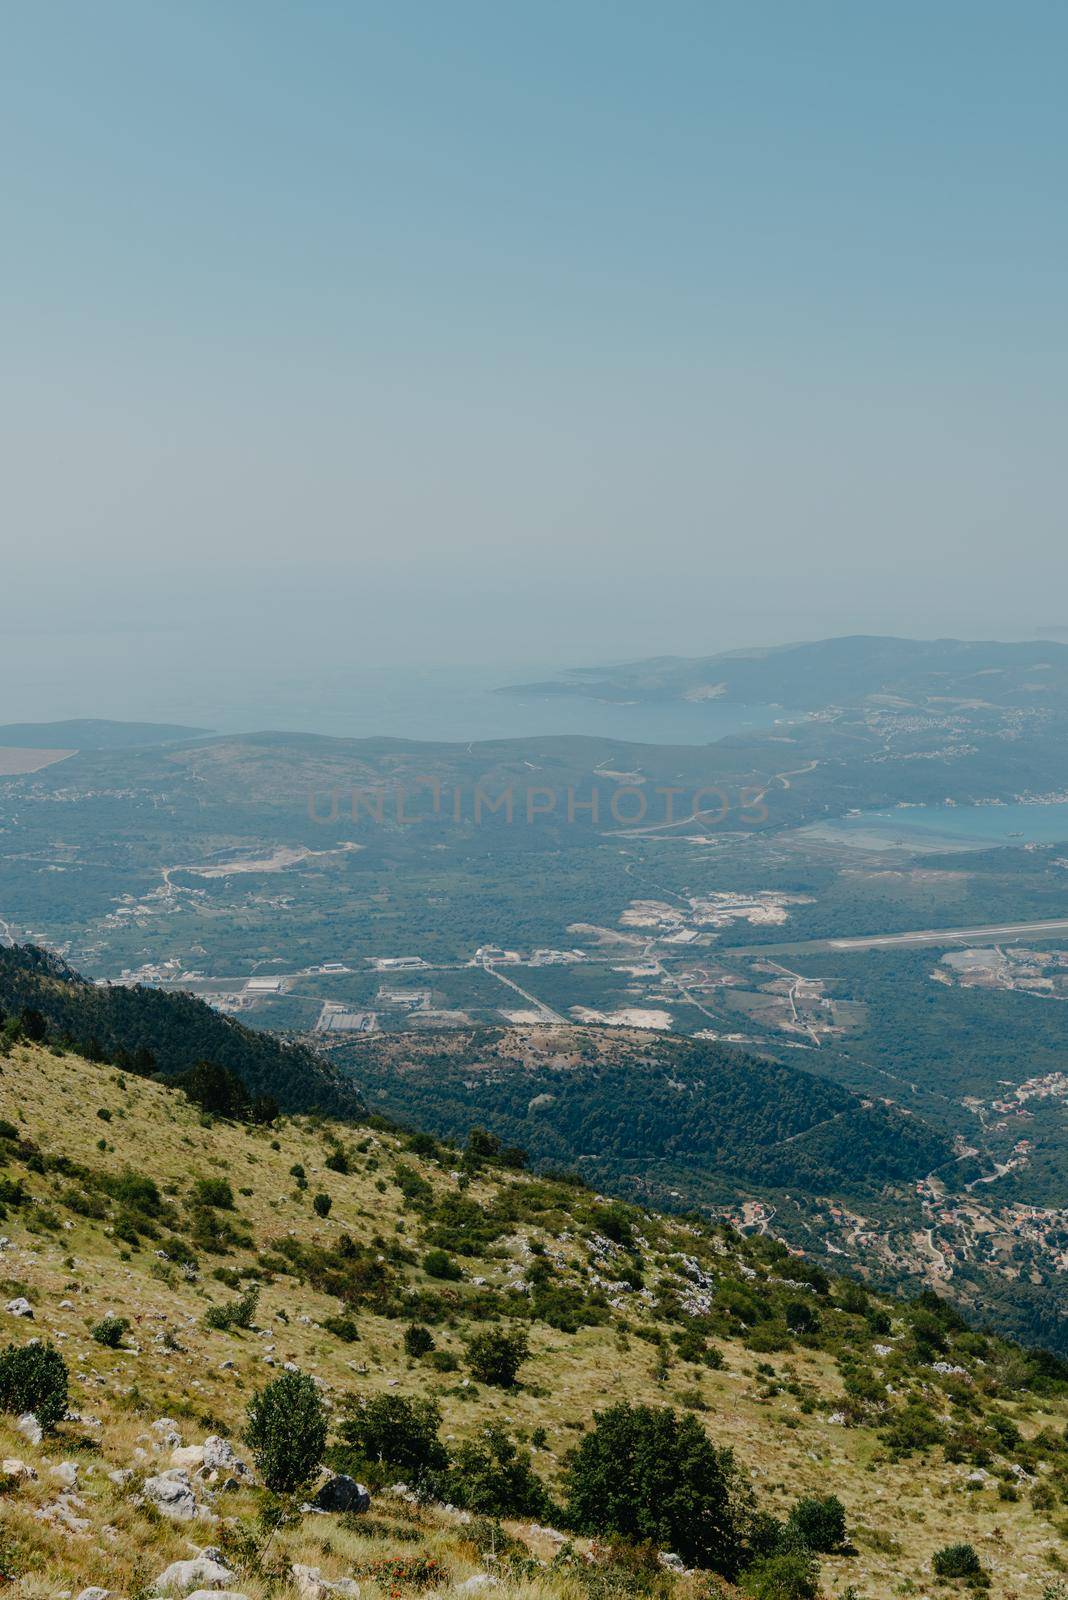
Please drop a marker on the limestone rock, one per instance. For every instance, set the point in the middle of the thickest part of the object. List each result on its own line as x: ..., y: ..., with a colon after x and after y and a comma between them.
x: 342, y: 1493
x: 172, y: 1495
x: 182, y: 1576
x: 30, y: 1428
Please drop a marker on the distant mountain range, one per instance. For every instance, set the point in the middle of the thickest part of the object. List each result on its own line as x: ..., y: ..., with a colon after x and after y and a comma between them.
x: 91, y: 733
x: 847, y: 671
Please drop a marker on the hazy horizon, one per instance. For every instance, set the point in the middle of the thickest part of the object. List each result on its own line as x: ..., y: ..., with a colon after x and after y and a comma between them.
x: 357, y: 337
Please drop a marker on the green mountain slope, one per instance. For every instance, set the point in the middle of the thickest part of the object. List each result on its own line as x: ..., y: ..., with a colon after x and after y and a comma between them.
x: 176, y: 1029
x: 613, y: 1106
x: 170, y: 1267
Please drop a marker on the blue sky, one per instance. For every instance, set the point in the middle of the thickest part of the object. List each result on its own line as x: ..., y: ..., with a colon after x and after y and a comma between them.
x: 566, y: 329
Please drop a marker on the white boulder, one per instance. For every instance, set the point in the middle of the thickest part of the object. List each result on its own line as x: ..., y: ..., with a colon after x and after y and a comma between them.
x: 30, y: 1428
x: 183, y: 1576
x: 172, y: 1495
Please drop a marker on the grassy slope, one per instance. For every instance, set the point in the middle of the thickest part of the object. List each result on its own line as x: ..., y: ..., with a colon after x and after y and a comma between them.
x: 900, y: 1513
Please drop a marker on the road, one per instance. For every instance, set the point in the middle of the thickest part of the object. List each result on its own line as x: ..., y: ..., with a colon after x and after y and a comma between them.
x: 990, y: 933
x: 548, y: 1015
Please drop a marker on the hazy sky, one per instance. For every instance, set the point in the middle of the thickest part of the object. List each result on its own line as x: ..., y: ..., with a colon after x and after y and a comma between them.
x: 563, y: 329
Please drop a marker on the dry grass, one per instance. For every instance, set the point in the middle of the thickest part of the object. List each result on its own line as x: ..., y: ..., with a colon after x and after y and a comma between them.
x: 901, y: 1512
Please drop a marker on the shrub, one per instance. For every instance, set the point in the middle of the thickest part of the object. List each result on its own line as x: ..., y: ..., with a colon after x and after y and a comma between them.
x: 438, y: 1265
x: 496, y: 1356
x: 110, y: 1332
x: 391, y: 1430
x: 321, y: 1204
x: 443, y: 1361
x: 801, y: 1317
x: 236, y: 1313
x: 791, y: 1575
x: 342, y: 1328
x: 614, y: 1222
x: 957, y: 1561
x: 337, y: 1161
x: 213, y: 1192
x: 34, y: 1378
x: 286, y: 1431
x: 491, y: 1475
x: 820, y: 1523
x: 418, y: 1341
x: 645, y: 1472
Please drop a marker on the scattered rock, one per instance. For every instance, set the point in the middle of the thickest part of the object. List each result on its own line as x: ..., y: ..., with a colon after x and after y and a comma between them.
x: 477, y: 1582
x: 342, y: 1493
x: 19, y: 1307
x: 95, y: 1593
x: 66, y: 1473
x: 182, y: 1576
x: 190, y: 1455
x: 308, y: 1582
x: 216, y: 1594
x: 172, y: 1495
x: 120, y: 1476
x: 64, y: 1511
x: 30, y: 1428
x: 219, y: 1456
x: 13, y: 1467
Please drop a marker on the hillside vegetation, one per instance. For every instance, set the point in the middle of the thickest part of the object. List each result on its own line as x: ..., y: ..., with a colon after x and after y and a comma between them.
x: 168, y: 1033
x: 614, y: 1102
x: 467, y: 1333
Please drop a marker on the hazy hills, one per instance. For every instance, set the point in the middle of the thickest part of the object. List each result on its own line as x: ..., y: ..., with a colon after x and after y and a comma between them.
x: 92, y: 733
x: 845, y: 672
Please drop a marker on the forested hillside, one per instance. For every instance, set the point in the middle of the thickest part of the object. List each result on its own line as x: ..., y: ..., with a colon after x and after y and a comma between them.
x: 648, y: 1099
x: 166, y: 1033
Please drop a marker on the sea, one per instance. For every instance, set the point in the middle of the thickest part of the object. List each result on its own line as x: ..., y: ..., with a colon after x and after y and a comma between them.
x: 159, y: 678
x: 940, y: 827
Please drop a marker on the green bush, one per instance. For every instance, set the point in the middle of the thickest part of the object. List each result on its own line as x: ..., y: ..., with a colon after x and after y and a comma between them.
x: 801, y: 1317
x: 957, y: 1561
x: 439, y: 1265
x: 791, y: 1575
x: 213, y: 1192
x: 820, y: 1523
x: 496, y: 1356
x: 321, y: 1204
x: 34, y: 1378
x: 645, y: 1472
x: 286, y: 1431
x: 110, y: 1332
x: 418, y: 1341
x: 236, y: 1313
x: 343, y: 1328
x: 494, y: 1477
x: 391, y: 1430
